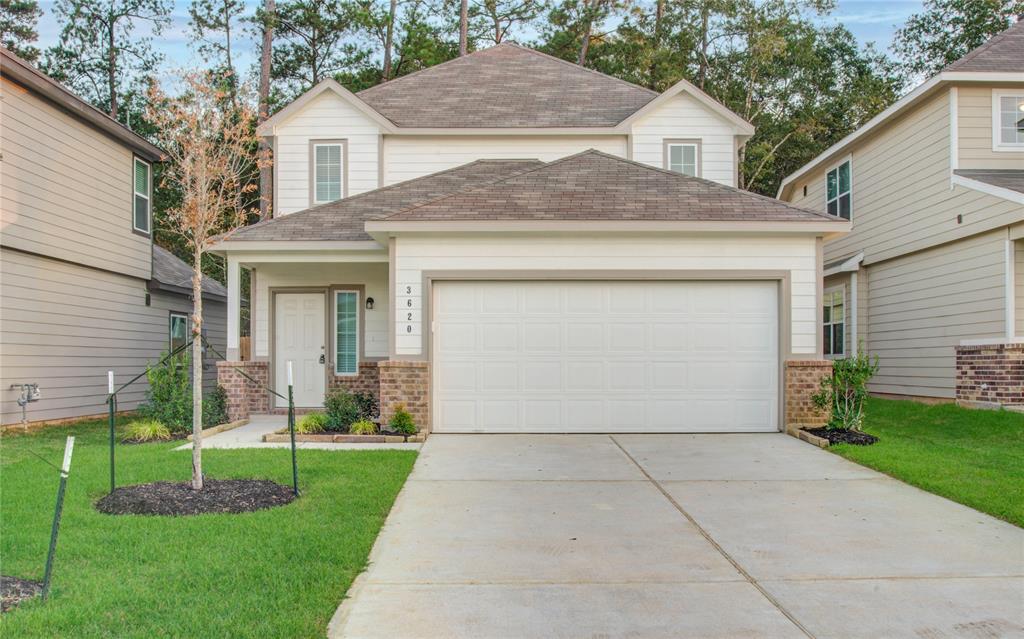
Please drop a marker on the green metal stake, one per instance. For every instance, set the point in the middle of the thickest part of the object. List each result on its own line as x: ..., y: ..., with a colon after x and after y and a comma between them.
x: 291, y: 432
x: 64, y: 470
x: 112, y: 401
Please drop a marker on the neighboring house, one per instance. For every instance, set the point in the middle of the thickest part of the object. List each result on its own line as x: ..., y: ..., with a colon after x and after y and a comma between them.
x: 931, y: 279
x: 83, y: 290
x: 450, y: 241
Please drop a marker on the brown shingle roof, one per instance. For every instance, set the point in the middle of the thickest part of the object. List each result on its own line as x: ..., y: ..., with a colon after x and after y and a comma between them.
x: 596, y: 186
x: 506, y: 86
x: 170, y: 272
x: 1003, y: 52
x: 1012, y: 179
x: 343, y: 220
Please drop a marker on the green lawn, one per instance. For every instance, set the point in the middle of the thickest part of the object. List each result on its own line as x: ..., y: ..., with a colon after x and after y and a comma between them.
x: 275, y: 573
x: 975, y: 457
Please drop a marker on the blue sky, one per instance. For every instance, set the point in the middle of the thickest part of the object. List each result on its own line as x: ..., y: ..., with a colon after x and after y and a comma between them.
x: 869, y: 20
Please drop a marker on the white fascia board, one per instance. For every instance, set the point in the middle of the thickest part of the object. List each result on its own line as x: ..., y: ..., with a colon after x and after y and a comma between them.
x: 275, y: 246
x: 847, y: 266
x: 982, y: 76
x: 742, y: 127
x: 496, y: 131
x: 990, y: 189
x: 269, y: 127
x: 611, y: 226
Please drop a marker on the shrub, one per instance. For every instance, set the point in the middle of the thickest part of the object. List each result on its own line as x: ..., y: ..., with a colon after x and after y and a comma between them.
x: 363, y: 427
x: 169, y: 397
x: 402, y: 422
x: 845, y: 390
x: 369, y: 407
x: 146, y: 430
x: 311, y: 423
x: 342, y: 409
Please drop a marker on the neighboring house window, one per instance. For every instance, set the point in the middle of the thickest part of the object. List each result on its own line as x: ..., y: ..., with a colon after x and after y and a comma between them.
x: 838, y: 191
x: 346, y: 335
x: 683, y: 157
x: 834, y: 323
x: 1008, y: 120
x: 178, y: 330
x: 328, y: 177
x: 141, y: 207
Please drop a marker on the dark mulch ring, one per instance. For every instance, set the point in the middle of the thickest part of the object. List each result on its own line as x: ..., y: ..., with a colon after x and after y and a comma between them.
x: 855, y: 437
x: 178, y: 498
x: 14, y: 590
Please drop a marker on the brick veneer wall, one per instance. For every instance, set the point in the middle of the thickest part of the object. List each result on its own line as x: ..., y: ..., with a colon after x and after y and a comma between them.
x: 405, y: 383
x: 803, y: 379
x: 990, y: 374
x: 367, y: 381
x: 243, y: 396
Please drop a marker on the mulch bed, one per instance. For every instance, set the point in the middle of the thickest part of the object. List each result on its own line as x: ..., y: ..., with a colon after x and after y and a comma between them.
x: 14, y: 590
x: 178, y: 498
x: 844, y: 436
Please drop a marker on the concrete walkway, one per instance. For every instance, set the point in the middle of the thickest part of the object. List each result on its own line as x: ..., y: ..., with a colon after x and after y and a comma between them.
x: 251, y: 436
x: 677, y: 536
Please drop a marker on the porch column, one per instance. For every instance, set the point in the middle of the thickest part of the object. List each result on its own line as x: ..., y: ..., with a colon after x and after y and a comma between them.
x: 234, y: 307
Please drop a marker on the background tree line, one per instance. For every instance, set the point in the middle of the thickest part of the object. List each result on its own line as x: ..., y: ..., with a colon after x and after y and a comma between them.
x: 802, y: 80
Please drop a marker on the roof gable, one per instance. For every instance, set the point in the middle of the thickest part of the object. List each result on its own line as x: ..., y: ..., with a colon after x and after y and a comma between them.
x: 596, y: 186
x: 1004, y: 52
x: 506, y: 86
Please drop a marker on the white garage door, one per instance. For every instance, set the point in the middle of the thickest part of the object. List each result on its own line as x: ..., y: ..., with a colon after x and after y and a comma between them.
x: 585, y: 356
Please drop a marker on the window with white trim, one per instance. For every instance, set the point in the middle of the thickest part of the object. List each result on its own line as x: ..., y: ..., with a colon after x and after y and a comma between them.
x: 834, y: 323
x: 327, y: 173
x: 346, y: 332
x: 682, y: 157
x: 838, y: 191
x: 1008, y: 113
x: 177, y: 330
x: 142, y: 187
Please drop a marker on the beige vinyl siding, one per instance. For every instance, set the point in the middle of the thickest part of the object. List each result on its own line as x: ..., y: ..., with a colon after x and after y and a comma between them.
x: 408, y: 157
x: 975, y: 130
x: 327, y: 117
x: 922, y: 305
x: 67, y: 188
x: 902, y: 201
x: 372, y: 275
x: 683, y: 117
x: 65, y: 326
x: 553, y: 253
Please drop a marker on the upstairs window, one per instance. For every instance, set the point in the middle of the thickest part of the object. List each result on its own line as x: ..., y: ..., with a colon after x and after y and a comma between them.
x: 1008, y: 121
x: 143, y: 186
x: 838, y: 186
x: 683, y: 157
x: 328, y: 176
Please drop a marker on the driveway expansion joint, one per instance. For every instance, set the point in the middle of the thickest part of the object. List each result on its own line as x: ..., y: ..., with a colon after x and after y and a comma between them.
x: 735, y: 564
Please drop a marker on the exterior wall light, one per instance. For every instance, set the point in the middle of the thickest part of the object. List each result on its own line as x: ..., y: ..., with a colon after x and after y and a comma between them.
x: 369, y: 303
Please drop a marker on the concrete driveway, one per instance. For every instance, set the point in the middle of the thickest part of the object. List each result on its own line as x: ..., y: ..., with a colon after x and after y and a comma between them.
x: 677, y: 536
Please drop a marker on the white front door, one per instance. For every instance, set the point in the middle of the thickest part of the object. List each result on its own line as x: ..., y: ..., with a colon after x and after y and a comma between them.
x: 655, y: 356
x: 299, y: 338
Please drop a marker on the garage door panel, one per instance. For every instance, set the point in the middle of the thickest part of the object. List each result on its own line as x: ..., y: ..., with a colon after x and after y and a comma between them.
x: 606, y: 357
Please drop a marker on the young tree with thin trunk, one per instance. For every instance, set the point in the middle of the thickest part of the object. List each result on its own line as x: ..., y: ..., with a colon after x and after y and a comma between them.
x: 266, y: 18
x: 209, y: 140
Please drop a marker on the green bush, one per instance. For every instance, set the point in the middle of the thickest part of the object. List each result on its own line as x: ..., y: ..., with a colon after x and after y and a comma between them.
x: 311, y: 423
x: 342, y: 409
x: 363, y: 427
x: 845, y: 390
x: 369, y: 407
x: 146, y: 430
x: 402, y: 422
x: 169, y: 397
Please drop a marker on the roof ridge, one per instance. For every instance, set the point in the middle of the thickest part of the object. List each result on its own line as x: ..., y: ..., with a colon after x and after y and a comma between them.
x: 418, y: 72
x: 489, y: 183
x: 985, y: 46
x: 582, y: 68
x: 364, y: 194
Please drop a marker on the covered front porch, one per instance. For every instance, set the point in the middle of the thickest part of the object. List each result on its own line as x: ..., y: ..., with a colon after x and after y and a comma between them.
x: 325, y: 308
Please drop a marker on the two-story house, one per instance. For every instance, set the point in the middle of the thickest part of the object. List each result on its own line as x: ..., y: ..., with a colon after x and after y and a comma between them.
x: 83, y: 289
x: 508, y: 242
x: 931, y: 279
